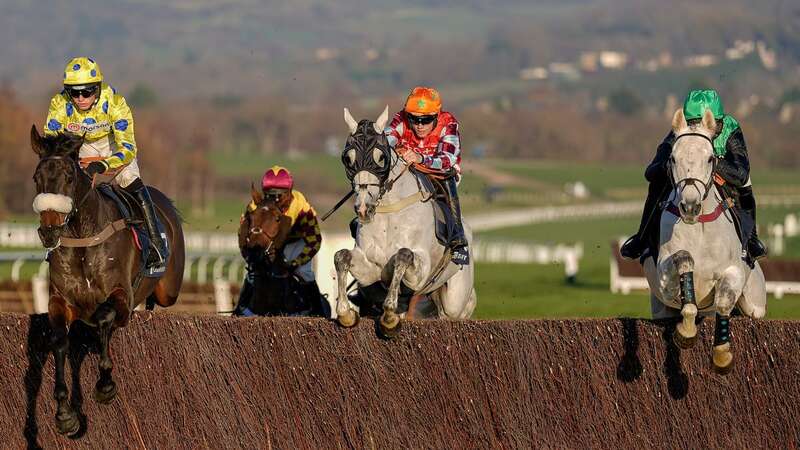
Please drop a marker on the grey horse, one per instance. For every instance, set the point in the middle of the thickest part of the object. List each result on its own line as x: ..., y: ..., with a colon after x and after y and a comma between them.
x: 395, y: 242
x: 700, y: 266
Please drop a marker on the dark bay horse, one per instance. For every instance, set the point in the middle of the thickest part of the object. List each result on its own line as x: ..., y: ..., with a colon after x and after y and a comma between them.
x: 94, y: 261
x: 262, y: 235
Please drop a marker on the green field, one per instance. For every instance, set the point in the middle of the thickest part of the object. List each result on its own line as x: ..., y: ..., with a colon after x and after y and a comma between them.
x: 535, y: 291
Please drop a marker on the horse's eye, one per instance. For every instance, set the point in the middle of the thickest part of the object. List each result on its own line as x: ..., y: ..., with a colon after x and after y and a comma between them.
x: 672, y: 159
x: 351, y: 156
x: 710, y: 159
x: 377, y: 155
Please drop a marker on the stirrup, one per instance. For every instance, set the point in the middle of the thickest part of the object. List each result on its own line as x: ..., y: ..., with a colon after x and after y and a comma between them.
x: 632, y: 248
x: 155, y: 260
x: 460, y: 255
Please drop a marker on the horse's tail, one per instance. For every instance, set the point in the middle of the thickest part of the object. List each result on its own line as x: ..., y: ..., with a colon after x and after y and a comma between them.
x: 168, y: 287
x: 166, y: 204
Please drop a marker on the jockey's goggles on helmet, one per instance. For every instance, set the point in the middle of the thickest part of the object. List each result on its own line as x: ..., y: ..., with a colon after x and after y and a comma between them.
x: 275, y: 194
x: 421, y: 120
x: 83, y: 91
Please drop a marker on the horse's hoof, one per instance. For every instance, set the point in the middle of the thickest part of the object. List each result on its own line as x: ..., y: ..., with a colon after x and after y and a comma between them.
x: 68, y: 423
x: 682, y: 341
x: 387, y: 331
x: 722, y: 360
x: 103, y: 394
x: 349, y: 320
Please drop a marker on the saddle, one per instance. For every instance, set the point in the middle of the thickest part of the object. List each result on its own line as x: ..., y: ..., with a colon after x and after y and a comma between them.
x: 442, y: 206
x: 132, y: 213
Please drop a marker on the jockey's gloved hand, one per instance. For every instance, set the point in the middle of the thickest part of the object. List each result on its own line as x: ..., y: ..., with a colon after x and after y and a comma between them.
x: 282, y: 262
x: 96, y: 167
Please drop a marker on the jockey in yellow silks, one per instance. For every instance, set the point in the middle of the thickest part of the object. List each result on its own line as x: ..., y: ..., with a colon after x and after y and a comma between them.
x: 89, y: 107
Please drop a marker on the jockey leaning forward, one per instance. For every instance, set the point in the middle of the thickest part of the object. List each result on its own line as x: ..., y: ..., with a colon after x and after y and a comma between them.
x: 732, y: 175
x: 87, y: 106
x: 425, y: 135
x: 304, y: 239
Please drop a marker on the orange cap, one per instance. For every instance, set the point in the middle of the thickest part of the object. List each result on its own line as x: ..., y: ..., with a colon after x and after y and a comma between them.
x: 423, y: 101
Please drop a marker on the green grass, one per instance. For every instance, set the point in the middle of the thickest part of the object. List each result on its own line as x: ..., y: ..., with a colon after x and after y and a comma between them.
x: 523, y: 291
x: 254, y: 164
x: 539, y: 291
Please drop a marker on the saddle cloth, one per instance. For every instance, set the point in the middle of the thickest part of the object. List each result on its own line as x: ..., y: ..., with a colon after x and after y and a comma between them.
x: 125, y: 204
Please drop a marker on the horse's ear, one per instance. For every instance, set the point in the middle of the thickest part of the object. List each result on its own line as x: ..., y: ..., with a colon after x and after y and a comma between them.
x: 351, y: 123
x: 36, y: 141
x: 257, y: 195
x: 708, y: 121
x: 679, y: 121
x: 380, y: 123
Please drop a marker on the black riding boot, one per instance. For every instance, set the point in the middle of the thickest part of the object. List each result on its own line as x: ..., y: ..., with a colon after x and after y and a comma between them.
x: 635, y: 246
x: 155, y: 260
x: 244, y: 297
x: 755, y: 248
x: 309, y: 290
x: 458, y: 241
x: 354, y: 227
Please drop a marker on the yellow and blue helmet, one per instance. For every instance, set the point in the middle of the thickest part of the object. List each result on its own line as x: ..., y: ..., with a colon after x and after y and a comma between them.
x: 82, y: 71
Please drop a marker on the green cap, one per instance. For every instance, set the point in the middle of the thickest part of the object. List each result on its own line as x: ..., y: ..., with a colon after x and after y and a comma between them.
x: 701, y: 99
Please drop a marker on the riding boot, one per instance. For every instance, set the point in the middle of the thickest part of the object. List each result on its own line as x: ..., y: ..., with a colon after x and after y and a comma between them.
x: 245, y: 293
x: 634, y: 247
x: 753, y: 245
x: 354, y: 227
x: 458, y: 241
x: 155, y: 260
x: 309, y: 290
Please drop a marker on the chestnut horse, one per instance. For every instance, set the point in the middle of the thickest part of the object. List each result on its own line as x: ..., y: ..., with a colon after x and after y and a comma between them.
x: 95, y: 266
x: 274, y: 290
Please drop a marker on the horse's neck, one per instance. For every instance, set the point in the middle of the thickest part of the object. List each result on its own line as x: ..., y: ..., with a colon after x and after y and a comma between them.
x: 405, y: 184
x: 93, y: 213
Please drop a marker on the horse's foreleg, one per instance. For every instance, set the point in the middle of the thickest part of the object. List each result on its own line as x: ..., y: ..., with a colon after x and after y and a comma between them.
x: 345, y: 315
x: 105, y: 390
x: 66, y: 419
x: 728, y: 290
x: 686, y: 331
x: 390, y: 320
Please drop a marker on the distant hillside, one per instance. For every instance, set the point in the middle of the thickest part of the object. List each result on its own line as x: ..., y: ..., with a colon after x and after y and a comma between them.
x: 313, y: 48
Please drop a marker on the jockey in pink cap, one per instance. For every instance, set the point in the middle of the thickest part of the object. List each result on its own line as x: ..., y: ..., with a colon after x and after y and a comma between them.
x: 304, y: 238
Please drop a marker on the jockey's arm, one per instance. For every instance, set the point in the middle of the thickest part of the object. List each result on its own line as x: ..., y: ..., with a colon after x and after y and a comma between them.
x: 735, y: 166
x: 56, y: 116
x: 312, y: 238
x: 448, y: 150
x: 657, y: 170
x: 121, y: 120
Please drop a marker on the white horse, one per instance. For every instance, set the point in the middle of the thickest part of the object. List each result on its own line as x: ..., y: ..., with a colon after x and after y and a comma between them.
x: 395, y: 241
x: 700, y: 255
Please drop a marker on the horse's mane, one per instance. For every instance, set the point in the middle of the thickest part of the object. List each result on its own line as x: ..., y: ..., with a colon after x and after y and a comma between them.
x: 60, y: 144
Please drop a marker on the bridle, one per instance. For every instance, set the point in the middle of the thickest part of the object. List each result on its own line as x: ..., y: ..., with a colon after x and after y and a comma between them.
x: 384, y: 183
x: 78, y: 172
x: 691, y: 181
x: 254, y: 231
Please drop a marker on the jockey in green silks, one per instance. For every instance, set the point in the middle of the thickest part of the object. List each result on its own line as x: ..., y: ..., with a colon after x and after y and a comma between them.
x: 732, y: 176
